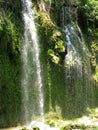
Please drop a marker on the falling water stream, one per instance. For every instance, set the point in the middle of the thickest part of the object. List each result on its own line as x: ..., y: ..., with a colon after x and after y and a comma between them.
x: 77, y: 66
x: 31, y: 75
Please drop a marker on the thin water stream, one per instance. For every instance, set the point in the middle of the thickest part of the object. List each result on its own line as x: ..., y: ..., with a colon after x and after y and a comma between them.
x: 77, y: 67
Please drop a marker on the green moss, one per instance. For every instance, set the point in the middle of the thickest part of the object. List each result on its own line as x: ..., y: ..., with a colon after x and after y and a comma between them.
x: 79, y: 127
x: 24, y: 128
x: 11, y: 37
x: 10, y: 69
x: 55, y: 45
x: 10, y: 92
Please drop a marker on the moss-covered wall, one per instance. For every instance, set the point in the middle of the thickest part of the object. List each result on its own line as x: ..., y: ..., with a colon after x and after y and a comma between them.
x: 10, y: 63
x: 53, y: 51
x: 50, y: 35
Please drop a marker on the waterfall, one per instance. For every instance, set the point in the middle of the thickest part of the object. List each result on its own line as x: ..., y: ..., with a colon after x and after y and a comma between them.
x: 77, y: 65
x: 31, y: 72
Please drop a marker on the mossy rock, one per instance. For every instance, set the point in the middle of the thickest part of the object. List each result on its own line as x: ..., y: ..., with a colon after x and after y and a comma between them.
x: 71, y: 127
x: 36, y: 128
x: 79, y: 127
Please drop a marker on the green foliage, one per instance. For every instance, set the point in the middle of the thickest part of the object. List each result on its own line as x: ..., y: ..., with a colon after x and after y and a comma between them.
x: 1, y: 28
x: 9, y: 5
x: 52, y: 46
x: 55, y: 59
x: 52, y: 118
x: 10, y: 92
x: 47, y: 1
x: 88, y: 22
x: 55, y: 45
x: 10, y: 46
x: 52, y: 123
x: 89, y: 14
x: 10, y: 35
x: 56, y: 3
x: 79, y: 127
x: 96, y: 73
x: 91, y: 8
x: 59, y: 45
x: 35, y: 128
x: 94, y: 48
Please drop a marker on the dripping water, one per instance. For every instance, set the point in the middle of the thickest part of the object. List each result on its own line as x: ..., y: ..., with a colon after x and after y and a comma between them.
x: 77, y: 65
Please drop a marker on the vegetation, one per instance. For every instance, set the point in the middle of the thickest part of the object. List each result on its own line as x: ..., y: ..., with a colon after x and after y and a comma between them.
x: 53, y: 51
x: 10, y: 46
x: 80, y: 127
x: 55, y: 46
